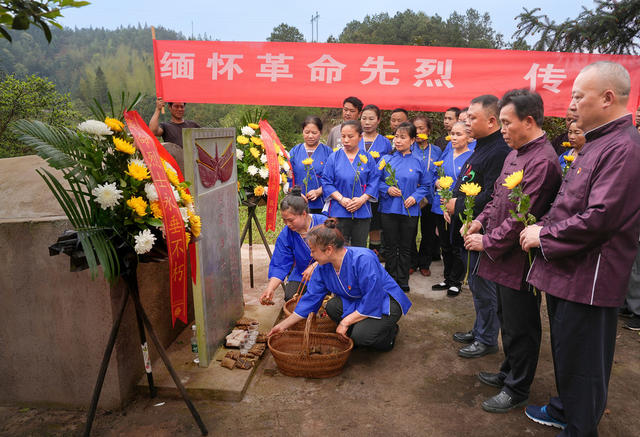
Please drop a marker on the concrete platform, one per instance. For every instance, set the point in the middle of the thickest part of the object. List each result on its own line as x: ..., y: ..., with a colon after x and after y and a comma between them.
x: 216, y: 382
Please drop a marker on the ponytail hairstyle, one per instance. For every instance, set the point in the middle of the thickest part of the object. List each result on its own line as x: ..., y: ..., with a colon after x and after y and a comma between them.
x: 326, y: 234
x: 294, y: 202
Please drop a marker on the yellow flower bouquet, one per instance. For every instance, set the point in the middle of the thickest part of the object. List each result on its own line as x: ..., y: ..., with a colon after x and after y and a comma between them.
x: 471, y: 190
x: 391, y: 179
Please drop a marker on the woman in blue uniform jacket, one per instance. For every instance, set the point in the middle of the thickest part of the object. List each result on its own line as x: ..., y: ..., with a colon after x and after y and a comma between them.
x: 350, y: 181
x: 452, y: 161
x: 318, y: 152
x: 367, y: 303
x: 576, y: 141
x: 400, y: 204
x: 291, y: 248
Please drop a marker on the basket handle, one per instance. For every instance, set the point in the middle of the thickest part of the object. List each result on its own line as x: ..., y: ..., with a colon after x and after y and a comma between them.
x: 305, y: 336
x: 301, y: 286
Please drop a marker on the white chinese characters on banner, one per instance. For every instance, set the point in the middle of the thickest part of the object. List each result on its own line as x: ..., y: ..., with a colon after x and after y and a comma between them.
x: 177, y: 65
x: 551, y: 77
x: 379, y: 67
x: 429, y: 66
x: 326, y: 69
x: 227, y: 62
x: 275, y: 67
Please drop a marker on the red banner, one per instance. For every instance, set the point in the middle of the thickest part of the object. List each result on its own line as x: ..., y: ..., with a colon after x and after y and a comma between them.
x: 413, y: 77
x: 149, y: 146
x: 271, y: 141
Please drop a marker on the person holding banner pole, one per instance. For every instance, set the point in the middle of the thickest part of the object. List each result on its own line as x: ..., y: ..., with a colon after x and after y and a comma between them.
x: 307, y: 162
x: 171, y: 131
x: 349, y: 182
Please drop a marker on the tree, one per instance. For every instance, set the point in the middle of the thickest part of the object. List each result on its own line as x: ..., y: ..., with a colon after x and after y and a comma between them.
x: 612, y: 27
x: 34, y: 98
x: 286, y: 33
x: 100, y: 88
x: 20, y: 14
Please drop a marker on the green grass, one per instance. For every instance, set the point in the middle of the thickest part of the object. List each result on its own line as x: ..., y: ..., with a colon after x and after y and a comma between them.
x: 261, y: 213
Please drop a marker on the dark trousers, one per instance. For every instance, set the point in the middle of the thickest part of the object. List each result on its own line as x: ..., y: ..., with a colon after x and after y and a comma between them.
x: 355, y: 231
x: 583, y: 339
x: 451, y: 256
x: 519, y: 315
x: 429, y: 244
x: 376, y: 333
x: 290, y: 289
x: 399, y: 231
x: 485, y: 301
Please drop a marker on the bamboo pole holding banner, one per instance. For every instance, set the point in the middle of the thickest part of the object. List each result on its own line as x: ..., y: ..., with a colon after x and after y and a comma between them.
x: 158, y: 80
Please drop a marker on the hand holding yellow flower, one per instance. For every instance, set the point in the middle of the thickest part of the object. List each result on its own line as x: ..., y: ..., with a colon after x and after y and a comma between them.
x: 471, y: 189
x: 444, y: 192
x: 307, y: 166
x: 445, y: 182
x: 568, y: 159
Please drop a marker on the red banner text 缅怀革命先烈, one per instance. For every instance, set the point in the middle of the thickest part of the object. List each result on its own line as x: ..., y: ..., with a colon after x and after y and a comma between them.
x: 413, y: 77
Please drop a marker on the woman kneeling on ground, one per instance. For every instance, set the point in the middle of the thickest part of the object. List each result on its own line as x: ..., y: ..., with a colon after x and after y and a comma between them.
x: 367, y: 303
x: 291, y: 248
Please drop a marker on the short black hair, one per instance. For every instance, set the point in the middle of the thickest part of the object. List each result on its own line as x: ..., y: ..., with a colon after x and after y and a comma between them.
x: 400, y: 110
x: 355, y: 102
x: 169, y: 104
x: 465, y: 109
x: 312, y: 119
x: 526, y: 103
x: 489, y: 103
x: 373, y: 108
x: 454, y: 109
x: 407, y: 127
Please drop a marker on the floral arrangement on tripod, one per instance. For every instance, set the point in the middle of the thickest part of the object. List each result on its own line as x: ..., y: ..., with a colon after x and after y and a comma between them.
x: 251, y: 159
x: 106, y: 189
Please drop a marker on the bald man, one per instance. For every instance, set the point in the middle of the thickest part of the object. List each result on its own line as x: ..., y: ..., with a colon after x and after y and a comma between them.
x: 587, y: 244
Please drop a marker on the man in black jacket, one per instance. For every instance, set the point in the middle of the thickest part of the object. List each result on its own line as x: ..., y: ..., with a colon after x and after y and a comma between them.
x: 483, y: 168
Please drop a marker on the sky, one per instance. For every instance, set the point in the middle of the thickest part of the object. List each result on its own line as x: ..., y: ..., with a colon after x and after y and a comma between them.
x: 251, y: 20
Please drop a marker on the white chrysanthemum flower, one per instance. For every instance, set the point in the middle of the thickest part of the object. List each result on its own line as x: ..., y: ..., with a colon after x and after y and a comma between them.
x: 170, y: 167
x: 280, y: 152
x: 247, y: 130
x: 191, y: 208
x: 266, y: 190
x: 144, y: 241
x: 138, y: 161
x: 185, y: 214
x: 95, y: 127
x: 107, y: 195
x: 264, y: 172
x: 239, y: 154
x: 175, y: 193
x: 285, y: 188
x: 252, y: 170
x: 152, y: 194
x: 285, y: 166
x: 263, y: 158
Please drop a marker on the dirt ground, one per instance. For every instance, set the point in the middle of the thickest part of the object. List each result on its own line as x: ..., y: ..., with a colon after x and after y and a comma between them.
x: 421, y: 388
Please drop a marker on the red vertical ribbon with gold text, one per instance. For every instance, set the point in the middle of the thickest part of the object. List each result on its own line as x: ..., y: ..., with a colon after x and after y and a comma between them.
x: 171, y: 217
x: 271, y: 141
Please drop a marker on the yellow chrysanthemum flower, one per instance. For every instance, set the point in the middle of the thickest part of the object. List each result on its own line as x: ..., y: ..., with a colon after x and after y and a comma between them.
x: 513, y: 180
x: 335, y: 149
x: 187, y: 237
x: 566, y: 144
x: 124, y: 146
x: 258, y: 191
x: 238, y: 186
x: 186, y: 197
x: 389, y: 137
x: 375, y: 154
x: 470, y: 188
x: 363, y: 159
x: 241, y: 139
x: 254, y: 126
x: 438, y: 163
x: 195, y: 224
x: 257, y: 141
x: 569, y: 158
x: 448, y: 138
x: 114, y: 124
x: 137, y: 172
x: 254, y: 152
x: 307, y: 161
x: 281, y: 161
x: 382, y: 164
x: 172, y: 176
x: 445, y: 182
x: 156, y: 209
x: 139, y: 205
x: 423, y: 136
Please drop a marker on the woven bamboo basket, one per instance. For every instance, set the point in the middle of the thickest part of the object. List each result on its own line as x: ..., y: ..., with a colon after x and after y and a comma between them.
x: 292, y: 351
x: 321, y: 323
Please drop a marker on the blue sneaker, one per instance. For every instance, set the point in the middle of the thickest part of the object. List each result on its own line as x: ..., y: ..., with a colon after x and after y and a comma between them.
x: 540, y: 415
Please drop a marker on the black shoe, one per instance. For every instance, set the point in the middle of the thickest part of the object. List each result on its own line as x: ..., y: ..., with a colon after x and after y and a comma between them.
x: 477, y: 349
x: 463, y: 337
x: 633, y: 323
x: 492, y: 379
x: 440, y: 286
x: 502, y: 402
x: 453, y: 291
x: 625, y: 312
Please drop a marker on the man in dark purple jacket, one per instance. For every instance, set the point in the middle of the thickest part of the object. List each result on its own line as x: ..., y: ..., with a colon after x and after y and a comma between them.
x: 588, y: 241
x: 502, y: 260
